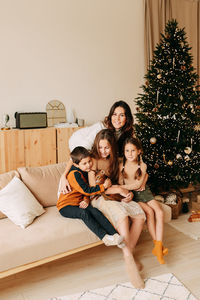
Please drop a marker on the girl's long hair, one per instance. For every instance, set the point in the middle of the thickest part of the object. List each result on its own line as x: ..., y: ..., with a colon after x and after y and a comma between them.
x: 138, y: 145
x: 129, y: 117
x: 107, y: 134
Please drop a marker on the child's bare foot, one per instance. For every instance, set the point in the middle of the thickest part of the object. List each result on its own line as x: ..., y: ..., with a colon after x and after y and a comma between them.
x: 133, y: 272
x: 139, y: 265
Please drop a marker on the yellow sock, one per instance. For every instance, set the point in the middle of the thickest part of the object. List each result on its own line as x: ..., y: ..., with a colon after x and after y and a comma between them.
x: 164, y: 249
x: 158, y: 251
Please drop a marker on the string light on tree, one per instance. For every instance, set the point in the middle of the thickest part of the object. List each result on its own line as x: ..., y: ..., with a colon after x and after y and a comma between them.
x: 170, y: 163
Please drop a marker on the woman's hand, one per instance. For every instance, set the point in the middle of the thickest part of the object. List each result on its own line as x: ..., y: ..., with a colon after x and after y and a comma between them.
x: 143, y: 185
x: 128, y: 198
x: 123, y: 192
x: 64, y: 187
x: 141, y: 188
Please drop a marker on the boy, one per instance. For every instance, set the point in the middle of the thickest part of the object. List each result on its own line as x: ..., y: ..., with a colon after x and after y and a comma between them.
x: 75, y: 204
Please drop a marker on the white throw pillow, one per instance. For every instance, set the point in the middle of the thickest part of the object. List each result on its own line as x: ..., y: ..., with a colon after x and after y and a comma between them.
x: 19, y: 204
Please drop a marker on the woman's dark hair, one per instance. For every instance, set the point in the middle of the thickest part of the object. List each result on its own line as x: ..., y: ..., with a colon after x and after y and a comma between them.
x: 129, y: 117
x: 107, y: 134
x: 138, y: 145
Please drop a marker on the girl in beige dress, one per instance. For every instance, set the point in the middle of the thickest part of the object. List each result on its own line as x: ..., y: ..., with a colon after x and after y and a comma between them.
x: 126, y: 215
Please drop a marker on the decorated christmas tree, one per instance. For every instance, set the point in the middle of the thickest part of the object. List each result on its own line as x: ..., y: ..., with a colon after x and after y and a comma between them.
x: 168, y: 114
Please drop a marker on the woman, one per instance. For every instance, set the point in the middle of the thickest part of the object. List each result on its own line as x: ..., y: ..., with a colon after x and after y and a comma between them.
x: 119, y: 120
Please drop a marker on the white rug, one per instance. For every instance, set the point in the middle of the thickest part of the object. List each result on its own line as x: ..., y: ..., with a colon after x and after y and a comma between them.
x: 163, y: 287
x: 192, y: 229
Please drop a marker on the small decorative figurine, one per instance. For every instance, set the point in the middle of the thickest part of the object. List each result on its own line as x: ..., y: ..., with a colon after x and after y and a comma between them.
x: 6, y: 118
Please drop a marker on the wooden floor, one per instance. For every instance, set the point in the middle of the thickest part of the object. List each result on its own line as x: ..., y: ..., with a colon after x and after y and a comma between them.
x: 102, y: 266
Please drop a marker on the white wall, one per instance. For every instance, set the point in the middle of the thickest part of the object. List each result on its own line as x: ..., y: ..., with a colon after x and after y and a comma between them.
x: 85, y: 53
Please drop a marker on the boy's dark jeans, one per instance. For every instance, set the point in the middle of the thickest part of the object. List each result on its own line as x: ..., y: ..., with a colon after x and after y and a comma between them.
x: 92, y: 217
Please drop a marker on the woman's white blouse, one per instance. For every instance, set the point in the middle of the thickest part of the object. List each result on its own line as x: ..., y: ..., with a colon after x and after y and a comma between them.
x: 85, y: 136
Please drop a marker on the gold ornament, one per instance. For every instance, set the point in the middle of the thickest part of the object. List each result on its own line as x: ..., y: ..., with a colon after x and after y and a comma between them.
x: 187, y: 150
x: 187, y: 158
x: 153, y: 140
x: 170, y: 163
x: 159, y: 76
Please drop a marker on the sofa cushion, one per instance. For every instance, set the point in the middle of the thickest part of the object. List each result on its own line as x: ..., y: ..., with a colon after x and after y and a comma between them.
x: 5, y: 178
x: 48, y: 235
x: 19, y: 204
x: 43, y: 182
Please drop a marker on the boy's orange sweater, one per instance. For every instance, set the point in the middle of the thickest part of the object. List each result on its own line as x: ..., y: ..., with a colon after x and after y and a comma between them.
x: 80, y: 189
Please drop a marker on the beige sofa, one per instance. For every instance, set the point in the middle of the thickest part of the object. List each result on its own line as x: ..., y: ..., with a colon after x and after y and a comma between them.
x: 49, y: 236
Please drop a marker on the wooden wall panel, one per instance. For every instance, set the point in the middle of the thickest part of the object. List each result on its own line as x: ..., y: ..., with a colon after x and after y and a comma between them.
x: 40, y: 147
x: 11, y: 150
x: 63, y: 135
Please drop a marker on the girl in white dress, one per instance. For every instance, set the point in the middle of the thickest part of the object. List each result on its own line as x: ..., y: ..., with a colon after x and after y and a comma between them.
x: 125, y: 215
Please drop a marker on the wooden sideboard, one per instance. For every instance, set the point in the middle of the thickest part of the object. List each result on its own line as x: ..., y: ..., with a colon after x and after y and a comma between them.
x: 33, y: 147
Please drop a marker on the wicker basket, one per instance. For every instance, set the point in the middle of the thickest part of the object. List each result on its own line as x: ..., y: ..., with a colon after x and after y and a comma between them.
x: 176, y: 208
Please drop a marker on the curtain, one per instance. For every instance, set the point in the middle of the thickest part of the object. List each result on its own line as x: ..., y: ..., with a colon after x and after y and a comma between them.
x: 186, y: 12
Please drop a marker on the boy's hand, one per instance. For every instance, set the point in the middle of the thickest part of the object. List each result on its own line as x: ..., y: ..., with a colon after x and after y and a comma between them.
x: 107, y: 183
x: 128, y: 198
x: 83, y: 204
